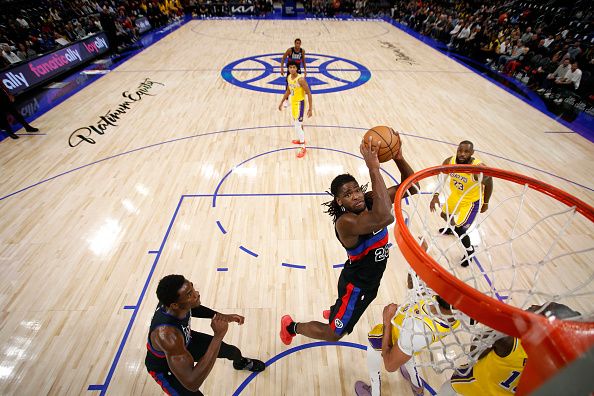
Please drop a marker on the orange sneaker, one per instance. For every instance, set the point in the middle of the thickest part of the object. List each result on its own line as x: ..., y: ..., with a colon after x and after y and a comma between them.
x: 301, y: 152
x: 285, y: 336
x: 295, y: 141
x: 326, y: 314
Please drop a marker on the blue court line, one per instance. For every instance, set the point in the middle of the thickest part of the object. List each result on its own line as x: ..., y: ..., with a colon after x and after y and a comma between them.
x: 428, y: 387
x: 478, y: 264
x: 153, y: 251
x: 135, y: 150
x: 298, y: 348
x: 248, y: 251
x: 293, y: 266
x: 277, y: 126
x: 341, y: 265
x: 222, y: 269
x: 221, y: 227
x: 103, y: 387
x: 275, y: 68
x: 129, y: 306
x: 215, y: 195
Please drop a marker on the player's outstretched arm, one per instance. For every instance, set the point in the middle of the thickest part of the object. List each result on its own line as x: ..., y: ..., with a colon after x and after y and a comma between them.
x: 380, y: 215
x: 282, y: 65
x: 435, y: 199
x: 405, y: 171
x: 181, y: 362
x: 488, y: 190
x: 303, y: 62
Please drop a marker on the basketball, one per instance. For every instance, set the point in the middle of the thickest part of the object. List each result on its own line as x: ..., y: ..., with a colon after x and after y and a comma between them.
x: 390, y: 141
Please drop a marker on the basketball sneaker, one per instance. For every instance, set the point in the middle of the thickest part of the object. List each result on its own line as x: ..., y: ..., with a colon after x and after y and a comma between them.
x: 296, y: 141
x: 362, y: 389
x: 253, y: 365
x: 326, y: 314
x: 417, y: 391
x: 286, y: 104
x: 285, y: 336
x: 467, y: 258
x: 446, y: 231
x: 301, y: 152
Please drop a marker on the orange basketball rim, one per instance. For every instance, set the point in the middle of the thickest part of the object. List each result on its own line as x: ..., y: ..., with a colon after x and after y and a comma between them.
x: 555, y: 342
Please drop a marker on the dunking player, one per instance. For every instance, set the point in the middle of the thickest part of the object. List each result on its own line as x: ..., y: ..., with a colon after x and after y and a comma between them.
x: 295, y: 54
x: 173, y: 346
x: 296, y: 90
x: 360, y: 221
x: 499, y: 368
x: 462, y: 205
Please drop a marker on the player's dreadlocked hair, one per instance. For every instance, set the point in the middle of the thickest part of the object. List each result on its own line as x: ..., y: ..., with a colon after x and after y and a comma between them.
x: 168, y: 288
x: 334, y: 209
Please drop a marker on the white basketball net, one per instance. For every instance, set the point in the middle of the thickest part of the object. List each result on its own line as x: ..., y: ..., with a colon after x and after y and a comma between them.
x: 529, y: 249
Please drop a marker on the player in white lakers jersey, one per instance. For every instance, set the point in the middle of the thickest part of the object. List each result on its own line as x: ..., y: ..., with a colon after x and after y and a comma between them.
x: 466, y: 194
x: 405, y: 332
x: 499, y: 368
x: 296, y: 90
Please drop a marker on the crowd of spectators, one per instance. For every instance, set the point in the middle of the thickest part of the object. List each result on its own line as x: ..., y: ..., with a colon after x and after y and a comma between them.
x: 549, y: 48
x: 34, y: 27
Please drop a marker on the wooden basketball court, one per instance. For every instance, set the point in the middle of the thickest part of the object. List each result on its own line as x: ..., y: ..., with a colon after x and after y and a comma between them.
x: 197, y: 176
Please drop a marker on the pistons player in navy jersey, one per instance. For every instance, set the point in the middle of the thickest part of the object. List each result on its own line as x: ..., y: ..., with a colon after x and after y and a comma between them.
x: 295, y: 54
x: 173, y: 347
x: 360, y: 221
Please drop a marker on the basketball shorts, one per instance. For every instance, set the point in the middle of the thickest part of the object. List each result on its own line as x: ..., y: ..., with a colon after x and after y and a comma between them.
x: 463, y: 214
x: 349, y: 306
x: 297, y: 109
x: 466, y: 384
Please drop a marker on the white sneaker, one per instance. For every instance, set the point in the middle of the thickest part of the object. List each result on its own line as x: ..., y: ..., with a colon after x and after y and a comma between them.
x: 286, y: 104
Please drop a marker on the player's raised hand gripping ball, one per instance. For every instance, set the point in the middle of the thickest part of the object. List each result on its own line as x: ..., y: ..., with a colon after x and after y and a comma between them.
x: 390, y: 141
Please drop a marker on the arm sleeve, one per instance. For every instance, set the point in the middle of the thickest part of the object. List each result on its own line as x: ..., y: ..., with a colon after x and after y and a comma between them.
x: 413, y: 337
x: 203, y: 312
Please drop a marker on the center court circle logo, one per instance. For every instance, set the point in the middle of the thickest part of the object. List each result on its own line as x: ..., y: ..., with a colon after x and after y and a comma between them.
x: 325, y: 73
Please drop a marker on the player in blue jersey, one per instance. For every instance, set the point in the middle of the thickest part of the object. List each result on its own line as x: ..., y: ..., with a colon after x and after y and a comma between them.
x: 360, y: 221
x: 173, y: 347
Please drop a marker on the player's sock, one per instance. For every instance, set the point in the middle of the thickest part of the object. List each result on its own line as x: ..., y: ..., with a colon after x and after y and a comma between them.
x: 463, y: 235
x: 374, y: 365
x: 300, y: 134
x: 292, y: 328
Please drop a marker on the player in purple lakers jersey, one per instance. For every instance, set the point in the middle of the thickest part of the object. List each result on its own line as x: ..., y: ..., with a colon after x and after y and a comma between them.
x: 173, y: 347
x: 360, y: 221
